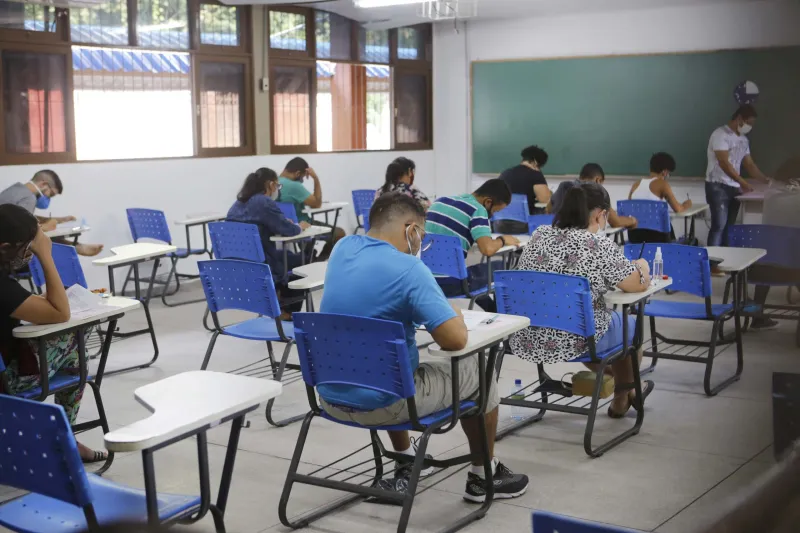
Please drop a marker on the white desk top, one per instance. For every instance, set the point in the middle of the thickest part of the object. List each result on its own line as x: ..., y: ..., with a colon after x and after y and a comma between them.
x: 201, y: 218
x: 485, y: 334
x: 135, y: 252
x: 67, y: 229
x: 540, y: 205
x: 618, y: 297
x: 188, y: 402
x: 114, y: 305
x: 313, y: 276
x: 757, y: 195
x: 311, y: 231
x: 695, y: 210
x: 523, y: 240
x: 614, y: 231
x: 735, y: 259
x: 325, y: 207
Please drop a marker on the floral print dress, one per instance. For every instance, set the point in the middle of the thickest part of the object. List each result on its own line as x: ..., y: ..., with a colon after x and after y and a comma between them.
x: 579, y: 253
x: 408, y: 190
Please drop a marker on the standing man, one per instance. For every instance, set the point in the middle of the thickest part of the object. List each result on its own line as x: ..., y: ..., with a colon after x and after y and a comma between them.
x: 294, y: 192
x: 728, y: 151
x: 526, y: 178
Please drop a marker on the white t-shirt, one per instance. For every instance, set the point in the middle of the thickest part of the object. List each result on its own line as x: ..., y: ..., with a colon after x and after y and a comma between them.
x: 737, y: 146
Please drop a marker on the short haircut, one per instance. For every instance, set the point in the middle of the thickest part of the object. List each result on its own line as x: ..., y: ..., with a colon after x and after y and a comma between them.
x: 393, y: 206
x: 534, y: 153
x: 591, y: 171
x: 495, y: 189
x: 578, y: 204
x: 50, y: 178
x: 662, y: 161
x: 298, y: 164
x: 745, y: 112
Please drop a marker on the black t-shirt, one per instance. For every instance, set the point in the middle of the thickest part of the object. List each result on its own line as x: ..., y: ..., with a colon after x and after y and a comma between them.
x: 521, y: 179
x: 11, y: 297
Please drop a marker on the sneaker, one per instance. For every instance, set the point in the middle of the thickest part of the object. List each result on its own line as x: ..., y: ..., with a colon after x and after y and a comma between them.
x: 507, y: 485
x: 763, y: 323
x: 404, y: 469
x: 397, y: 485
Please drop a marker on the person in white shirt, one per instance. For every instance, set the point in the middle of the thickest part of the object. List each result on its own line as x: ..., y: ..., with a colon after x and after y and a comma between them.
x: 728, y: 151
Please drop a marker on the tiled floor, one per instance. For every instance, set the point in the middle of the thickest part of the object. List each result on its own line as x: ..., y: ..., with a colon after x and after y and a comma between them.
x: 693, y: 452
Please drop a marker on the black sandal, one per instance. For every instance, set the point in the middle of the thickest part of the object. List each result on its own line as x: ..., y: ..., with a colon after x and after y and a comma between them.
x: 647, y: 388
x: 97, y: 458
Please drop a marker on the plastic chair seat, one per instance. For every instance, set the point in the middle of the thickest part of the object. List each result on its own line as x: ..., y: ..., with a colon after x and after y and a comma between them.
x: 259, y: 329
x: 112, y: 502
x: 687, y: 310
x: 431, y: 419
x: 56, y: 383
x: 182, y: 253
x: 586, y: 358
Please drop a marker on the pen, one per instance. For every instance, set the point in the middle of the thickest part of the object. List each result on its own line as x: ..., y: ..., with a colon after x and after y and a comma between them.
x: 491, y: 320
x: 641, y: 252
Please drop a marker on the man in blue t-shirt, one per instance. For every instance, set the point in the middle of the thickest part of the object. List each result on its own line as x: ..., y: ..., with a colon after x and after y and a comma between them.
x: 378, y: 276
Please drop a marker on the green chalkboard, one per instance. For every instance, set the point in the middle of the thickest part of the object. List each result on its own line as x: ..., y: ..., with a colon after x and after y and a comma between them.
x: 618, y: 111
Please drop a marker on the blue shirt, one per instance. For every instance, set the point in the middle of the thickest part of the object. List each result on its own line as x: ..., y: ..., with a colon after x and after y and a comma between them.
x: 371, y: 278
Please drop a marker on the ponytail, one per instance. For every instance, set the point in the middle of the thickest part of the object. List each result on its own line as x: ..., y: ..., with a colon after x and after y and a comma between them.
x: 394, y: 172
x: 578, y: 204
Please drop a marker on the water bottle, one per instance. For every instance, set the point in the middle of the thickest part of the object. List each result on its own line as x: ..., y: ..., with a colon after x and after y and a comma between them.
x: 517, y: 413
x: 658, y: 265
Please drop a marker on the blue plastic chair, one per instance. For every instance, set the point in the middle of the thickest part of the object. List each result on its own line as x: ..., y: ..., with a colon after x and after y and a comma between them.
x: 649, y: 214
x: 445, y: 259
x: 38, y: 453
x: 516, y: 211
x: 563, y: 303
x: 534, y: 221
x: 371, y: 354
x: 544, y: 522
x: 67, y: 263
x: 690, y: 270
x: 362, y: 203
x: 236, y: 240
x: 247, y: 286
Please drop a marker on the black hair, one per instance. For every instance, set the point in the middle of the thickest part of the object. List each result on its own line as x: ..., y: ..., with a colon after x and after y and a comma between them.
x: 662, y: 161
x: 394, y: 205
x: 495, y: 189
x: 50, y: 178
x: 746, y: 112
x: 578, y: 203
x: 256, y: 183
x: 18, y: 227
x: 396, y: 170
x: 534, y: 153
x: 298, y: 164
x: 592, y: 170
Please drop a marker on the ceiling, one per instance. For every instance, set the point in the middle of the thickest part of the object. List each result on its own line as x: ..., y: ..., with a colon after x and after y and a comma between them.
x: 487, y: 9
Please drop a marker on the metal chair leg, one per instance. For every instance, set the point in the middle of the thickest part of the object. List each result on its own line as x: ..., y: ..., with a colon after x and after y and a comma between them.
x: 711, y: 354
x: 205, y: 320
x: 101, y: 414
x: 210, y: 349
x: 654, y: 346
x: 127, y: 279
x: 278, y: 377
x: 219, y: 520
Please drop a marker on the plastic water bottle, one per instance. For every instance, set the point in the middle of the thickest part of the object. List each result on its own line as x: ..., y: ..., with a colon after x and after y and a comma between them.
x: 658, y: 265
x: 517, y: 413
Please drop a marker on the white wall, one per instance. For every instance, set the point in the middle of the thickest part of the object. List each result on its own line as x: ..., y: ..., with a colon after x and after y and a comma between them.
x: 100, y: 192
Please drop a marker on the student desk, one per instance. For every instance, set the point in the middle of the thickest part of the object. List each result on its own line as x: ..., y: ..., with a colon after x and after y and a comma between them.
x: 312, y: 279
x: 200, y: 219
x: 325, y: 209
x: 312, y: 232
x: 752, y: 205
x: 484, y: 336
x: 68, y: 231
x: 132, y: 255
x: 736, y: 261
x: 185, y: 405
x: 690, y: 215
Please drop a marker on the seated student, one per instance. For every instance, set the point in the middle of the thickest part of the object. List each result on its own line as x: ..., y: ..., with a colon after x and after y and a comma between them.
x: 36, y: 194
x: 656, y: 187
x: 400, y: 178
x: 255, y: 204
x: 466, y: 216
x: 20, y: 239
x: 526, y: 178
x: 590, y: 173
x: 402, y: 289
x: 293, y: 192
x: 572, y: 245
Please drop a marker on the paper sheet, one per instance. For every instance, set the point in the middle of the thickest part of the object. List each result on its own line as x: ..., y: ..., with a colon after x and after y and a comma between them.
x: 84, y: 303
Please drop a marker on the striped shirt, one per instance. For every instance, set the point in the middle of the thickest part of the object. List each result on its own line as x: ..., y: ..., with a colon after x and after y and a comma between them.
x: 459, y: 216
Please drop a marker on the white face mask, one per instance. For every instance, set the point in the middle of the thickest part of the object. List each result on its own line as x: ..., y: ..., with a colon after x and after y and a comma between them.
x: 744, y: 129
x: 418, y: 255
x: 602, y: 229
x: 275, y: 194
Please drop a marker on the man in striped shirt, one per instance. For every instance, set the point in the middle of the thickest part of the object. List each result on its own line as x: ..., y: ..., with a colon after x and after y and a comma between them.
x: 466, y: 217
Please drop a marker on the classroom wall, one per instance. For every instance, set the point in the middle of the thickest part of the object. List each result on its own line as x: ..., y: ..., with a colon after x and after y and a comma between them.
x: 729, y: 25
x: 100, y: 192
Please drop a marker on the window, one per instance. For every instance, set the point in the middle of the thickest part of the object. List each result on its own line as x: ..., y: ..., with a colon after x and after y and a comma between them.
x: 130, y: 79
x: 336, y: 86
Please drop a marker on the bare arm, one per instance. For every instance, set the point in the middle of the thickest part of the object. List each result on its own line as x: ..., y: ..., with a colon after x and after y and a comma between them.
x: 633, y: 189
x: 452, y: 335
x: 549, y: 208
x: 542, y: 193
x: 617, y: 221
x: 315, y: 200
x: 753, y: 170
x: 669, y: 196
x: 489, y: 246
x: 725, y: 165
x: 54, y: 306
x: 633, y: 283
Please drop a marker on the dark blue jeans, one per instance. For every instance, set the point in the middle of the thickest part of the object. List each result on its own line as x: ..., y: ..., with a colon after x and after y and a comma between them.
x: 724, y: 210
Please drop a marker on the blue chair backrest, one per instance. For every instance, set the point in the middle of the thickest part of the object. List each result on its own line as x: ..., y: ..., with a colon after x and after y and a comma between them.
x: 236, y: 240
x: 650, y: 214
x: 516, y: 210
x: 544, y: 522
x: 534, y: 221
x: 348, y: 350
x: 688, y: 266
x: 38, y: 452
x: 148, y: 224
x: 288, y: 211
x: 780, y: 242
x: 556, y: 301
x: 364, y: 219
x: 240, y: 285
x: 69, y: 267
x: 362, y: 200
x: 445, y: 257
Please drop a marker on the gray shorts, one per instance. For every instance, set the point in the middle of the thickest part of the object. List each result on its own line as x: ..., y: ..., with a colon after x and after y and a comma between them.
x: 434, y: 387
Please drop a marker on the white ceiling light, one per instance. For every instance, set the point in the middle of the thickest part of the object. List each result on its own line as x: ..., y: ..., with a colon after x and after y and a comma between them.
x: 385, y: 3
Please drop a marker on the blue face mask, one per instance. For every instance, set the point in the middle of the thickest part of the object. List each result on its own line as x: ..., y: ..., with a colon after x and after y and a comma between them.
x: 43, y: 202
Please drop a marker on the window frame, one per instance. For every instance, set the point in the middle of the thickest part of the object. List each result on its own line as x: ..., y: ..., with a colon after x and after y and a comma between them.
x: 311, y: 36
x: 244, y: 31
x: 310, y: 148
x: 61, y: 35
x: 416, y: 70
